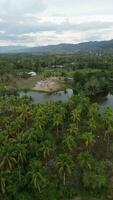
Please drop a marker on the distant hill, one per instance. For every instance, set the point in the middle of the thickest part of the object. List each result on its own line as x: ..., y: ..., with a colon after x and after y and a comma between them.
x: 62, y: 48
x: 11, y: 49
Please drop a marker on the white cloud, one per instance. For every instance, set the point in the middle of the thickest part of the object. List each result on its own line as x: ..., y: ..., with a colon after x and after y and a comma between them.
x: 2, y: 32
x: 42, y: 22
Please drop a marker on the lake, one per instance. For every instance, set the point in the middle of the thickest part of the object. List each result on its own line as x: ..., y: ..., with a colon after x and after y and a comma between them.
x: 106, y: 101
x: 41, y: 97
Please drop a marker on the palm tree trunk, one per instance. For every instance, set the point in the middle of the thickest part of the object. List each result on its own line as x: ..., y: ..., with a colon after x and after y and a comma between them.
x: 108, y: 144
x: 57, y: 131
x: 64, y: 181
x: 62, y: 127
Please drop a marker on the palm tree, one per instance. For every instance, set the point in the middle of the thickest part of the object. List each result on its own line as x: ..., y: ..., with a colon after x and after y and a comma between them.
x: 85, y: 160
x: 93, y: 116
x: 95, y: 179
x: 37, y: 174
x: 24, y: 112
x: 94, y: 111
x: 21, y: 153
x: 108, y: 123
x: 92, y: 124
x: 65, y: 166
x: 57, y: 121
x: 2, y: 182
x: 76, y: 115
x: 7, y: 163
x: 46, y: 149
x: 39, y: 122
x: 69, y: 142
x: 108, y: 117
x: 73, y: 129
x: 62, y: 113
x: 88, y: 139
x: 37, y: 179
x: 17, y: 125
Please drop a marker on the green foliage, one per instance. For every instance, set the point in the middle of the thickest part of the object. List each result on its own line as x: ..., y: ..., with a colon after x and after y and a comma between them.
x: 95, y: 179
x: 52, y: 149
x: 35, y: 157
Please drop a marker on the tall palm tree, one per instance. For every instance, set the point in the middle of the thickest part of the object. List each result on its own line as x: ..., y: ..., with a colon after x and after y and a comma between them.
x: 76, y: 115
x: 92, y: 124
x: 108, y: 124
x: 37, y: 174
x: 69, y: 142
x: 65, y: 166
x: 21, y: 153
x: 46, y: 149
x: 39, y: 122
x: 57, y: 121
x: 85, y: 160
x: 62, y: 113
x: 93, y: 116
x: 7, y: 163
x: 73, y: 129
x: 108, y: 116
x: 88, y: 138
x: 24, y: 112
x: 2, y: 182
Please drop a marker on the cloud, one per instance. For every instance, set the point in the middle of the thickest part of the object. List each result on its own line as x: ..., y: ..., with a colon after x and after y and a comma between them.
x: 10, y: 8
x: 41, y: 22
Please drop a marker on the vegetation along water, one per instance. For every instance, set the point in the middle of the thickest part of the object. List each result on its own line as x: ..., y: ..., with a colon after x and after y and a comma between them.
x: 56, y: 145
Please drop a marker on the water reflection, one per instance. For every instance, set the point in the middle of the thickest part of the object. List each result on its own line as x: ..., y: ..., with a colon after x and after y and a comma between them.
x: 106, y: 101
x: 40, y: 97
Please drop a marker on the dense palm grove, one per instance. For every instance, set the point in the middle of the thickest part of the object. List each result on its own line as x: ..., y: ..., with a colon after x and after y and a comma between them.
x: 54, y: 150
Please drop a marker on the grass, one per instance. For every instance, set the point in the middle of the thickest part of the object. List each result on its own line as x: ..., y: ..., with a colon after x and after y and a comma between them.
x: 28, y: 83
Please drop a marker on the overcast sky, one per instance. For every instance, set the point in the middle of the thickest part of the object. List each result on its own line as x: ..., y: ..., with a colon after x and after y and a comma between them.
x: 43, y: 22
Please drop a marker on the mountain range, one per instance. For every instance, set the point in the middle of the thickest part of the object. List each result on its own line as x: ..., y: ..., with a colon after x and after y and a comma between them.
x: 96, y: 46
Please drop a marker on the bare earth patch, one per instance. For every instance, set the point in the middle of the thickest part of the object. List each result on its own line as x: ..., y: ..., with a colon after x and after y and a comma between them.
x: 48, y: 85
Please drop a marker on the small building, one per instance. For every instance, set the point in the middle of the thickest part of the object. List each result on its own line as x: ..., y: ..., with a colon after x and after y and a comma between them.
x: 32, y: 73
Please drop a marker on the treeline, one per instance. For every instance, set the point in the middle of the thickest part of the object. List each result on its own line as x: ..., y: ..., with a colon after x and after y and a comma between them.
x: 72, y: 61
x: 93, y: 83
x: 54, y: 150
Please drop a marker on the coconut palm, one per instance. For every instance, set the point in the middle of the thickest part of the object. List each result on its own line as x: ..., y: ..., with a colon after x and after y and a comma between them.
x: 85, y: 160
x: 88, y: 138
x: 57, y: 121
x: 108, y: 117
x: 7, y: 162
x: 69, y: 142
x: 21, y: 153
x: 2, y: 182
x: 39, y: 122
x: 73, y: 129
x: 37, y: 174
x: 108, y: 123
x: 65, y: 166
x: 76, y: 115
x: 46, y: 149
x: 92, y: 124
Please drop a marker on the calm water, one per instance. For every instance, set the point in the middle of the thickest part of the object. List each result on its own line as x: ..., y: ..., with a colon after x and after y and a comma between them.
x: 64, y: 96
x: 39, y: 97
x: 106, y: 101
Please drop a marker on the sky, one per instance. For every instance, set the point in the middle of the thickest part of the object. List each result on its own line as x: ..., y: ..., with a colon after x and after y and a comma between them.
x: 46, y: 22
